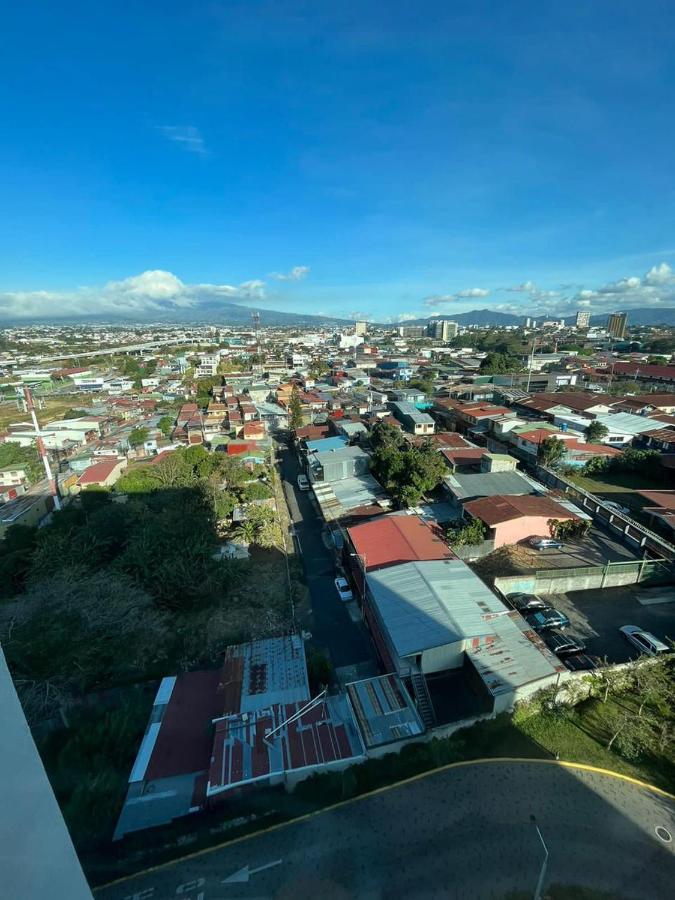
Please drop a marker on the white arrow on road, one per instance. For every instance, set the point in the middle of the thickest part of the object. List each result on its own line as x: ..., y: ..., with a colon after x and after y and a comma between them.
x: 242, y: 875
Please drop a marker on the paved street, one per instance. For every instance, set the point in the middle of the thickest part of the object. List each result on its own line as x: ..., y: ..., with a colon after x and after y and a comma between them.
x: 463, y: 833
x: 332, y: 626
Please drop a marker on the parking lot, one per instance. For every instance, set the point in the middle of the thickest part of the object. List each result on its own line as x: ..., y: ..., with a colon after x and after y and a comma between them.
x: 597, y: 615
x: 595, y: 549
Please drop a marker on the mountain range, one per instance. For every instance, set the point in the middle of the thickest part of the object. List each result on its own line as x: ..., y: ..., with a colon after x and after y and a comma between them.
x: 229, y: 313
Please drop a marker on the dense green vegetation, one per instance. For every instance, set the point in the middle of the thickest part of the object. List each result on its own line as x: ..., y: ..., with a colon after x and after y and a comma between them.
x: 124, y: 586
x: 551, y: 451
x: 467, y: 534
x: 647, y: 461
x: 12, y: 456
x: 406, y: 471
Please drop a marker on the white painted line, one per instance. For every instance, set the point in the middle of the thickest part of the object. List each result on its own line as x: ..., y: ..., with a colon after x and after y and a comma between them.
x: 659, y: 598
x: 241, y: 876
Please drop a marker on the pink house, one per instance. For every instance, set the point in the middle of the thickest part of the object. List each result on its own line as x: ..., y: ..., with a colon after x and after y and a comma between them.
x: 512, y: 519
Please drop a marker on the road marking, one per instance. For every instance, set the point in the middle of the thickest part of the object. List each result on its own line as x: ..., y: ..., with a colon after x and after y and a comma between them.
x: 242, y: 876
x: 382, y: 790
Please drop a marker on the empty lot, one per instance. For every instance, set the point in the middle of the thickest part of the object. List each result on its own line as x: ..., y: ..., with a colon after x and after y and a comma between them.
x: 597, y: 615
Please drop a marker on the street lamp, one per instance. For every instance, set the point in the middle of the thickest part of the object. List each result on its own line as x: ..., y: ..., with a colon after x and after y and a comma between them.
x: 542, y: 873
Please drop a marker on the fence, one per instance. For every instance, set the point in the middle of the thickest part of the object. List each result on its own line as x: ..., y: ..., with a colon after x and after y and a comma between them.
x: 613, y: 574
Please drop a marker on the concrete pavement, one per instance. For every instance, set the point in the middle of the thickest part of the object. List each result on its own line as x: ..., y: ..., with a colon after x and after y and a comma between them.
x: 462, y: 832
x: 331, y: 625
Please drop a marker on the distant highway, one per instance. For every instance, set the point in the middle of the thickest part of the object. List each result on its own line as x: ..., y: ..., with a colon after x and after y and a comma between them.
x: 127, y: 348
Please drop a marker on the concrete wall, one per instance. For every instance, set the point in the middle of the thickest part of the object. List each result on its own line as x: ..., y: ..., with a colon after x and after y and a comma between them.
x: 592, y: 577
x: 439, y: 659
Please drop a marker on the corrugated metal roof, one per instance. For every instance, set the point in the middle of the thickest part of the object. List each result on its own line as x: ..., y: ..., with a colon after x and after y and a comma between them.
x: 395, y: 539
x: 491, y: 484
x: 431, y: 604
x: 383, y: 710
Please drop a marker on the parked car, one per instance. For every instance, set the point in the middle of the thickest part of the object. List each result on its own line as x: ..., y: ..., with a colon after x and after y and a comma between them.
x: 581, y: 662
x: 643, y: 640
x: 563, y: 644
x: 343, y: 589
x: 547, y: 618
x: 303, y: 482
x: 617, y: 507
x: 526, y: 602
x: 542, y: 543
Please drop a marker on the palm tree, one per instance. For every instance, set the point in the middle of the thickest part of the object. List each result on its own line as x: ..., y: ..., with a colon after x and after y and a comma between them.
x: 247, y: 532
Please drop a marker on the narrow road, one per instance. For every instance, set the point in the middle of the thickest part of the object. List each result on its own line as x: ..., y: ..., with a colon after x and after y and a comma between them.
x: 461, y: 833
x: 332, y: 627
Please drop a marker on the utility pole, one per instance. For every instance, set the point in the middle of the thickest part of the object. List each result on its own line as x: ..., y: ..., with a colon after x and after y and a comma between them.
x: 53, y: 487
x: 544, y: 864
x: 529, y: 368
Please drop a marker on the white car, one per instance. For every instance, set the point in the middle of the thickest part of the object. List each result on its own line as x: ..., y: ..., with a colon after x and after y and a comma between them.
x: 343, y: 589
x: 643, y: 640
x: 303, y: 482
x: 617, y: 507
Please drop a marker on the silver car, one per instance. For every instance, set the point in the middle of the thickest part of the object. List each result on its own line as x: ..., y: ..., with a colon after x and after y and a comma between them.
x: 643, y: 640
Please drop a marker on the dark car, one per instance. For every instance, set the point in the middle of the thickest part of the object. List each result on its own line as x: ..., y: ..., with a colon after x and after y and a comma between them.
x: 544, y: 619
x: 526, y: 602
x: 563, y: 644
x: 581, y: 662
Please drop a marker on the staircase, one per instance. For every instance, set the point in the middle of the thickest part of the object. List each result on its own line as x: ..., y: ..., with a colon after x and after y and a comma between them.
x: 423, y: 700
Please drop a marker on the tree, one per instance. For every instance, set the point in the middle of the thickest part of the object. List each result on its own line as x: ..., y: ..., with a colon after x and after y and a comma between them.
x: 596, y: 431
x: 653, y: 684
x: 551, y: 451
x: 71, y: 413
x: 472, y: 533
x: 138, y: 436
x: 499, y: 363
x: 630, y: 734
x: 295, y: 410
x: 567, y: 528
x: 165, y: 425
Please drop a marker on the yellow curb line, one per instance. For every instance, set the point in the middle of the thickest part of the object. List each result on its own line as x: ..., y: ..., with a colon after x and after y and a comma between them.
x: 388, y: 787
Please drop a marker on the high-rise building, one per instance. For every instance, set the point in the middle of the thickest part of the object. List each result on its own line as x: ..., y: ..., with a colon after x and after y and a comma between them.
x: 411, y: 331
x: 442, y: 329
x: 616, y: 324
x: 360, y: 328
x: 583, y: 318
x: 530, y: 323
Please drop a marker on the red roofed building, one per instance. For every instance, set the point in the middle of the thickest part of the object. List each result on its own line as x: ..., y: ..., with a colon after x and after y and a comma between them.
x: 463, y: 459
x: 103, y: 474
x: 514, y: 518
x: 252, y: 722
x: 389, y: 540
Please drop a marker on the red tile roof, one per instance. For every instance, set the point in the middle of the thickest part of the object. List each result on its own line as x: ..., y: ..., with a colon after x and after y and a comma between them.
x: 463, y: 454
x: 392, y: 539
x: 500, y: 508
x: 98, y: 473
x: 661, y: 499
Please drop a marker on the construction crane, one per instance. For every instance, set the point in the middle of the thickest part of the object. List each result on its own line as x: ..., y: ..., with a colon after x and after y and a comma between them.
x: 53, y: 487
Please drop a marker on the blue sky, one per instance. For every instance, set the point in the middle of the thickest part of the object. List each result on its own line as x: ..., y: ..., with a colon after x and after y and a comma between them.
x: 383, y: 158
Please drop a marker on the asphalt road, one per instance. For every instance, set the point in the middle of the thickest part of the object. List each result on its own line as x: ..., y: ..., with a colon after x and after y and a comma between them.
x: 464, y: 832
x: 596, y: 548
x: 331, y: 626
x: 597, y: 615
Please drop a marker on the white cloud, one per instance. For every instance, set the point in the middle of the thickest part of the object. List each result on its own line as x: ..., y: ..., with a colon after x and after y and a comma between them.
x: 152, y: 291
x: 466, y: 294
x: 297, y: 273
x: 525, y: 288
x: 659, y: 274
x: 187, y: 136
x: 473, y: 292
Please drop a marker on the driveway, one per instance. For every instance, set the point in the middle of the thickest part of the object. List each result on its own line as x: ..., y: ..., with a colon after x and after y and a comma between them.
x: 595, y: 549
x: 332, y: 627
x: 458, y: 833
x: 597, y: 615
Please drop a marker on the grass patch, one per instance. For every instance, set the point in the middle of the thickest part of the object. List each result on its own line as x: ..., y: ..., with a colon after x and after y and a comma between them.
x: 617, y: 483
x: 54, y: 408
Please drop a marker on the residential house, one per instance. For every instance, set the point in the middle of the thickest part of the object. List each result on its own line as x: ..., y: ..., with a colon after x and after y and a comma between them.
x: 510, y: 519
